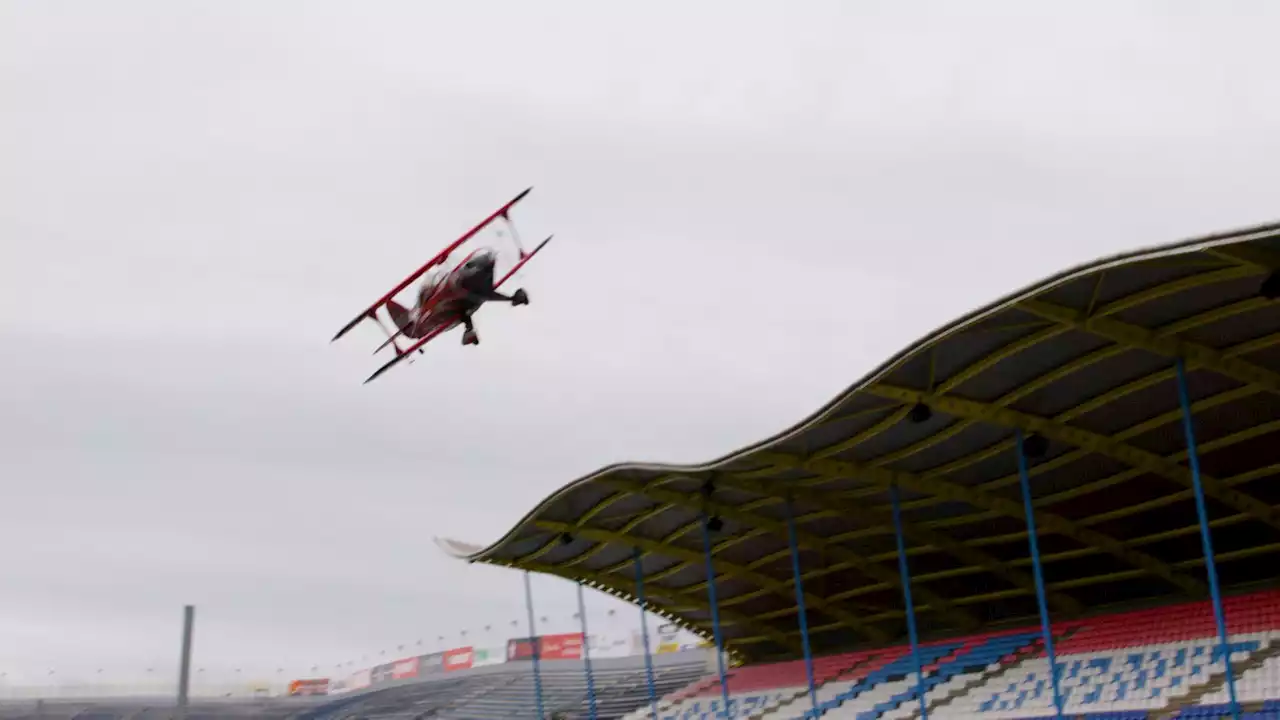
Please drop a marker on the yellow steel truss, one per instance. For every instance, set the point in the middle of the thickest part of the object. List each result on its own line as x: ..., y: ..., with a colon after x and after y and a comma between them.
x: 757, y: 473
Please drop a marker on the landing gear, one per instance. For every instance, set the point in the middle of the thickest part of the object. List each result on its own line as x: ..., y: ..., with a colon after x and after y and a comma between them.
x: 520, y: 297
x: 470, y: 338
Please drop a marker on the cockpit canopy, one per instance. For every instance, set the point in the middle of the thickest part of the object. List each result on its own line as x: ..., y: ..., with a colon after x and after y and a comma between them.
x: 479, y: 260
x: 431, y: 281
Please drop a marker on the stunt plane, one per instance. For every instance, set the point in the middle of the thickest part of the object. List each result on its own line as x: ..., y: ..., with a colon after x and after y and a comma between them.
x: 448, y: 298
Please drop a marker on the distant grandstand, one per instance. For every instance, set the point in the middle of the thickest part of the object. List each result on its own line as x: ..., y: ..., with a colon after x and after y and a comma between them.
x: 507, y: 691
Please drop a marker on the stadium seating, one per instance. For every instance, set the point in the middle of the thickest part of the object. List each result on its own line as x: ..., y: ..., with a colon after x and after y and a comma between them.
x: 755, y: 688
x: 853, y: 685
x: 893, y: 689
x: 507, y: 692
x: 158, y: 709
x: 1118, y: 667
x: 410, y: 699
x: 1139, y: 662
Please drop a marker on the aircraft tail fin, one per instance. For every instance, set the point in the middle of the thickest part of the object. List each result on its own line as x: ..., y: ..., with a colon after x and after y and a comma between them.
x: 403, y: 320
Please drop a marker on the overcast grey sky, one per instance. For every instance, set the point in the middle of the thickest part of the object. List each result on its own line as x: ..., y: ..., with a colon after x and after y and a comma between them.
x: 754, y: 203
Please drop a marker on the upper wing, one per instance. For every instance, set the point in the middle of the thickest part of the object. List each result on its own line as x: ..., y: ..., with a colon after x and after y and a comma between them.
x: 440, y: 257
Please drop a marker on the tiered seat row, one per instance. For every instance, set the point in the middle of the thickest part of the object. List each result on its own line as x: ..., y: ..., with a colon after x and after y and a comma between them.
x: 1118, y: 667
x: 1144, y: 678
x: 857, y: 685
x: 391, y: 702
x: 1138, y: 662
x: 1259, y: 612
x: 1269, y: 710
x: 617, y: 692
x: 508, y: 692
x: 893, y: 691
x: 1255, y: 685
x: 628, y: 690
x: 753, y: 688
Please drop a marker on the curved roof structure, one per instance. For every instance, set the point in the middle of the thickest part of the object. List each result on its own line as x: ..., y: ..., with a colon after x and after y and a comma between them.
x: 1083, y: 362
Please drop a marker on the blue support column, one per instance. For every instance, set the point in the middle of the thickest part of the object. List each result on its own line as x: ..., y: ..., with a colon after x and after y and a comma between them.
x: 644, y: 634
x: 804, y: 619
x: 715, y: 612
x: 1219, y: 617
x: 905, y: 574
x: 1046, y: 629
x: 586, y: 654
x: 533, y: 638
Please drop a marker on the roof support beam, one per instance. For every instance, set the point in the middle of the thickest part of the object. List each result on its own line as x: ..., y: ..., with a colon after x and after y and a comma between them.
x: 1159, y: 342
x: 867, y: 567
x: 1217, y: 275
x: 622, y: 587
x: 672, y: 537
x: 866, y: 516
x: 1248, y: 254
x: 1068, y: 415
x: 764, y: 581
x: 1046, y: 521
x: 1148, y: 462
x: 586, y: 517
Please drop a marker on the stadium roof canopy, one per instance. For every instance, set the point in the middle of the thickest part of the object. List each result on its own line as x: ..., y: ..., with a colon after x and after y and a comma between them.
x: 1084, y: 360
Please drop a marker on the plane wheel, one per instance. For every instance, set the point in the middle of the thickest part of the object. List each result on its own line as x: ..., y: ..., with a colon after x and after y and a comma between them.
x: 520, y: 297
x: 470, y: 338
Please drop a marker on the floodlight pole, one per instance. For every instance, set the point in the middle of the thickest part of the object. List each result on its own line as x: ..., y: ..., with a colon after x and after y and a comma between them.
x: 537, y: 650
x: 1193, y: 456
x: 715, y: 612
x: 905, y: 574
x: 1045, y: 627
x: 804, y: 619
x: 644, y: 633
x: 586, y: 653
x: 184, y: 663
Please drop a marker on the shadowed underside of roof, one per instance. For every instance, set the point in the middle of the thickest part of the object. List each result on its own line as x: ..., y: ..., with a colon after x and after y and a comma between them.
x: 1084, y: 360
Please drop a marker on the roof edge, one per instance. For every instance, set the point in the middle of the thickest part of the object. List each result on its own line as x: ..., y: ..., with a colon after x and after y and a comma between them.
x: 475, y: 553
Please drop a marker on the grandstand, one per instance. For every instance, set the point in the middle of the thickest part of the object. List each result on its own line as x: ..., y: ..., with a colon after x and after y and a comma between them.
x: 883, y: 545
x: 1133, y: 404
x: 152, y: 709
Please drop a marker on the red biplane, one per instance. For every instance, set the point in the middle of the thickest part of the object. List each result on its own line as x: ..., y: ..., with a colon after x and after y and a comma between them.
x: 448, y: 298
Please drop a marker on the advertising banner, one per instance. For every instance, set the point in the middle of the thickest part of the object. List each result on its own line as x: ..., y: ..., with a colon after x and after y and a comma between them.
x: 431, y: 664
x: 610, y: 646
x: 668, y: 638
x: 550, y: 647
x: 404, y: 669
x: 488, y: 656
x: 519, y: 649
x: 381, y: 673
x: 560, y: 647
x: 310, y: 686
x: 360, y: 679
x: 458, y: 659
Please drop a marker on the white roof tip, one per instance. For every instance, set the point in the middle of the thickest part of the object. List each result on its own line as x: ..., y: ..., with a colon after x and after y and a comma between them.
x: 457, y: 548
